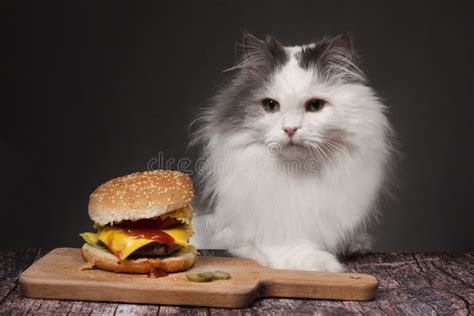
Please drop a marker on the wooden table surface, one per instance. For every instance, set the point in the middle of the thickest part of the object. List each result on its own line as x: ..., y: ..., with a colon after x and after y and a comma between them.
x: 421, y: 283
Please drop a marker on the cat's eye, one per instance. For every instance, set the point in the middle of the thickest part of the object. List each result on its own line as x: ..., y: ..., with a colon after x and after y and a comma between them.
x: 315, y: 105
x: 270, y: 105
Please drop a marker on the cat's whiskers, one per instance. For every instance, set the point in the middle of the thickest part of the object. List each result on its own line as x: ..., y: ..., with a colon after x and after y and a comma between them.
x: 335, y: 144
x: 337, y: 147
x: 331, y: 161
x: 321, y: 150
x: 315, y: 152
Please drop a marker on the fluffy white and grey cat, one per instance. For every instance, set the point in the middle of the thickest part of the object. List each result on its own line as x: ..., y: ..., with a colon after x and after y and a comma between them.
x: 296, y: 149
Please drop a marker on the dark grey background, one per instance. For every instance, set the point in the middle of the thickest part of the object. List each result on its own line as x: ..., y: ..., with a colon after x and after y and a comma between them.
x: 95, y: 90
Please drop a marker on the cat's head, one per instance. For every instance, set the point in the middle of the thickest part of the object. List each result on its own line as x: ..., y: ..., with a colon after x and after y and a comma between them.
x: 307, y: 100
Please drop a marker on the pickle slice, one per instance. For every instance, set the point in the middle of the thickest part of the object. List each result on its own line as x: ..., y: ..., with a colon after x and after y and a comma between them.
x: 200, y: 277
x: 207, y: 276
x: 221, y: 275
x: 90, y: 238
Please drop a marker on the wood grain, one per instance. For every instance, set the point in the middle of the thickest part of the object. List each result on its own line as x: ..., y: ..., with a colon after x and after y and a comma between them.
x: 58, y: 276
x: 398, y: 293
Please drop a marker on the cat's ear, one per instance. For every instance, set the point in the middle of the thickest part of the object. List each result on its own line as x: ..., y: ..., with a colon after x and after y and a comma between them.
x: 261, y: 56
x: 340, y: 46
x: 252, y: 45
x: 334, y: 58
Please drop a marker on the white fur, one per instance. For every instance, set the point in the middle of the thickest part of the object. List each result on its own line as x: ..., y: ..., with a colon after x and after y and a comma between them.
x: 297, y: 220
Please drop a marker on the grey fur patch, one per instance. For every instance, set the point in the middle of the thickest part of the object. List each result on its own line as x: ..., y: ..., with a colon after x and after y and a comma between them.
x: 262, y: 57
x: 235, y: 100
x: 334, y: 59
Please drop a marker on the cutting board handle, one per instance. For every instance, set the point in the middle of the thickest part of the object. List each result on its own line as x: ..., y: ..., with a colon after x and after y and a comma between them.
x: 323, y: 285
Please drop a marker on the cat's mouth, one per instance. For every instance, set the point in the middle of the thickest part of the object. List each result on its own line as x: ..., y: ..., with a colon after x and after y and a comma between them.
x: 303, y: 149
x: 292, y: 143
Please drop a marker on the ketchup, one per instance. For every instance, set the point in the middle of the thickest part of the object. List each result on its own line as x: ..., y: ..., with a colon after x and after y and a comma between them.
x: 150, y: 233
x: 157, y: 273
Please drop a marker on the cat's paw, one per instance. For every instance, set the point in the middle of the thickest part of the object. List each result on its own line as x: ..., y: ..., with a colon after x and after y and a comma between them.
x: 322, y: 261
x: 302, y: 257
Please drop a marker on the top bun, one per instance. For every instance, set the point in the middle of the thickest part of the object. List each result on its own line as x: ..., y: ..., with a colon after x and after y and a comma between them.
x: 140, y: 195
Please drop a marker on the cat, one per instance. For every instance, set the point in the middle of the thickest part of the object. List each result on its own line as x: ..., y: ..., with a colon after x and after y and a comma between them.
x: 296, y: 152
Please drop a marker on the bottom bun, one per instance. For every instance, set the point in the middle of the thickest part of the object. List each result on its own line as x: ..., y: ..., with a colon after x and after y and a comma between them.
x: 105, y: 260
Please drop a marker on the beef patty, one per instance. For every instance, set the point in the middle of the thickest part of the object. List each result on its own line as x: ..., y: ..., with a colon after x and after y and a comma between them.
x: 155, y: 250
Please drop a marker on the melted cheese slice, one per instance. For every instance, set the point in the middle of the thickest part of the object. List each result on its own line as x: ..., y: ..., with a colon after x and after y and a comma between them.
x: 122, y: 245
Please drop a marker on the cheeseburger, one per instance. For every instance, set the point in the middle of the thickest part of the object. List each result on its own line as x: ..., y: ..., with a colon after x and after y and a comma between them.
x: 143, y: 223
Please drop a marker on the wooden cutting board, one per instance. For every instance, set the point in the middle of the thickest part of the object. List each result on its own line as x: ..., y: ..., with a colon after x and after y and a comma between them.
x: 57, y: 276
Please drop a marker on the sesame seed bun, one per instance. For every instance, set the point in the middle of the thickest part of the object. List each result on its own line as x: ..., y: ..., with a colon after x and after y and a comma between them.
x: 140, y: 195
x: 104, y: 260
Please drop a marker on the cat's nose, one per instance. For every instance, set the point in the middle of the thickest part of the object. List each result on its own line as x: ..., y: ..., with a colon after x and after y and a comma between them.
x: 290, y: 130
